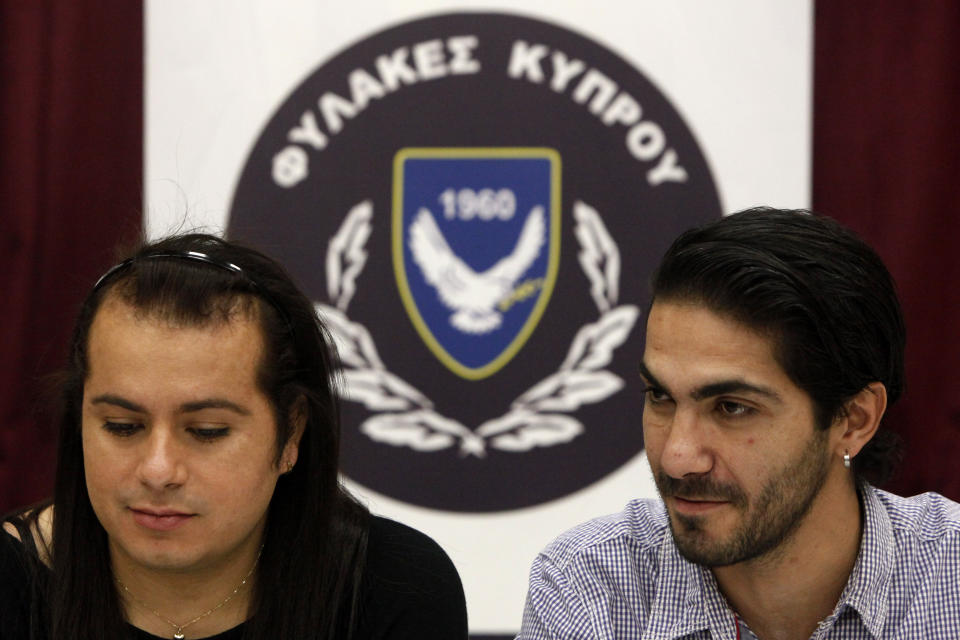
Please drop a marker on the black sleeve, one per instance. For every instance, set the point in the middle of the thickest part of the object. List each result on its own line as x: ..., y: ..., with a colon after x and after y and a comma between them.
x: 411, y: 588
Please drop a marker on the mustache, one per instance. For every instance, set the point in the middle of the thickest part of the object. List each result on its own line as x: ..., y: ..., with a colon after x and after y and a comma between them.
x: 700, y: 488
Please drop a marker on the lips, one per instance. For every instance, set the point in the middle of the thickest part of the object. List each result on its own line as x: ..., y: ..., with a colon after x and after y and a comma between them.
x: 696, y: 506
x: 160, y: 519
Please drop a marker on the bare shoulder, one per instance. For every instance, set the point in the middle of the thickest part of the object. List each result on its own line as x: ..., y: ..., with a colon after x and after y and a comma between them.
x: 12, y: 530
x: 41, y: 530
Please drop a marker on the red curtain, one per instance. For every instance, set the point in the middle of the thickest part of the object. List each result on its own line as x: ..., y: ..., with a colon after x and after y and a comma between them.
x: 886, y: 162
x: 71, y: 85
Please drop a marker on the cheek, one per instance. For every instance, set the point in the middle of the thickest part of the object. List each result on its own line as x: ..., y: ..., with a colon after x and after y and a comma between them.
x: 238, y: 477
x: 748, y: 464
x: 654, y: 435
x: 100, y: 467
x: 239, y: 494
x: 105, y: 475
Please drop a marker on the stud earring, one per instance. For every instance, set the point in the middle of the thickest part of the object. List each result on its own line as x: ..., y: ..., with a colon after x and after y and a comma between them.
x: 846, y: 459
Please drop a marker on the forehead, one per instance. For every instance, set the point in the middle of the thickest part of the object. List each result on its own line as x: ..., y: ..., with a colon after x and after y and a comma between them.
x: 128, y: 343
x: 691, y: 344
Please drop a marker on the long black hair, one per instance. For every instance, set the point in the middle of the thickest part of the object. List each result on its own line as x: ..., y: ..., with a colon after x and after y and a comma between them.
x: 822, y: 293
x: 309, y: 574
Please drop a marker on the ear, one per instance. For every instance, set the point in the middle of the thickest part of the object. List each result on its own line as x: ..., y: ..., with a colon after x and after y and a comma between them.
x: 861, y: 419
x: 298, y: 422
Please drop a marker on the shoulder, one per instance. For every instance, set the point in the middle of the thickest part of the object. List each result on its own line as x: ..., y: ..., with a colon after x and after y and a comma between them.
x: 11, y: 548
x: 638, y: 531
x: 411, y: 586
x: 923, y: 541
x: 21, y: 578
x: 401, y: 551
x: 923, y: 548
x: 928, y: 517
x: 608, y: 566
x: 33, y: 527
x: 24, y: 550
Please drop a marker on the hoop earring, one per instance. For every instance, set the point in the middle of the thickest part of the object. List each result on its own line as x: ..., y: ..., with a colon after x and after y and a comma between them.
x: 846, y: 459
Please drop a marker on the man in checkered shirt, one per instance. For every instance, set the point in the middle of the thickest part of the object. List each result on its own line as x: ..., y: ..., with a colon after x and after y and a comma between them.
x: 774, y: 345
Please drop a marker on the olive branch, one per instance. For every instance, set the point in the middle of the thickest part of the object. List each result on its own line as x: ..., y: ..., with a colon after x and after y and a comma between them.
x: 538, y: 417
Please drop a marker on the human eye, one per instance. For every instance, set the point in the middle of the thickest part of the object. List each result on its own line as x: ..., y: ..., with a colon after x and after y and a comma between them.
x: 122, y: 429
x: 208, y: 433
x: 656, y: 396
x: 734, y: 409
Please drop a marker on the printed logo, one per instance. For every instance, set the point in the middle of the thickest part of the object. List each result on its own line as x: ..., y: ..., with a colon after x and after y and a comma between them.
x: 476, y: 248
x: 476, y: 202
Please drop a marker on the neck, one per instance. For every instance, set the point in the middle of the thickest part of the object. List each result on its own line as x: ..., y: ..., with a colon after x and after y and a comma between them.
x: 785, y: 593
x: 181, y: 594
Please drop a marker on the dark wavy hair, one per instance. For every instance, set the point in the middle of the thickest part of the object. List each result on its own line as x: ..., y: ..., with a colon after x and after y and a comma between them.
x: 314, y: 550
x: 818, y: 289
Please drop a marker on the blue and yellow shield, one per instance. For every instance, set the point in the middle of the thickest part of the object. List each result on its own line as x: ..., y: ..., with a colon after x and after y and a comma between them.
x: 476, y: 247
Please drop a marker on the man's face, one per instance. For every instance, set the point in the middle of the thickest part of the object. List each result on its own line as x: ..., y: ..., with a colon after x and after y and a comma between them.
x: 730, y: 438
x: 178, y: 440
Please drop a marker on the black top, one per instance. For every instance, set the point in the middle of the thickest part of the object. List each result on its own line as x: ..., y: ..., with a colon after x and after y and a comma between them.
x: 410, y: 590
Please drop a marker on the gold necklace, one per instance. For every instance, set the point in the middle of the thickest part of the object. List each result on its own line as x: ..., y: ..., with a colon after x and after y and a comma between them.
x: 178, y: 634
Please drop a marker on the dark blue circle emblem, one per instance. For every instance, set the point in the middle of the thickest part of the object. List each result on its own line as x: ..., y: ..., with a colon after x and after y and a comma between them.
x: 475, y: 203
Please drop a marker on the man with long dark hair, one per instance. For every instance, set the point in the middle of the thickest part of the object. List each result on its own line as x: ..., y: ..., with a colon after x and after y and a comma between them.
x: 197, y: 491
x: 774, y: 345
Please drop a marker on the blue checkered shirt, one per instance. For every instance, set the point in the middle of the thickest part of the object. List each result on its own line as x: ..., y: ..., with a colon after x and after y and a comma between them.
x: 621, y: 577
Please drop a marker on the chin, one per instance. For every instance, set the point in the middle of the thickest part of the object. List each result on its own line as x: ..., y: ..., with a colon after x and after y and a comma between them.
x: 697, y: 541
x: 156, y: 554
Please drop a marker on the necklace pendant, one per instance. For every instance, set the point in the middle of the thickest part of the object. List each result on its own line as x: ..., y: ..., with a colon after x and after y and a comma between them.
x: 179, y: 635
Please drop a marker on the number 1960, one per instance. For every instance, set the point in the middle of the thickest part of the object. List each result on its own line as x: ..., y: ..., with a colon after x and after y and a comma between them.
x: 485, y: 204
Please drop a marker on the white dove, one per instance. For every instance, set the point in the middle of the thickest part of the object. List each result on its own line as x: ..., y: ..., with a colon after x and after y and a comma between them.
x: 473, y: 295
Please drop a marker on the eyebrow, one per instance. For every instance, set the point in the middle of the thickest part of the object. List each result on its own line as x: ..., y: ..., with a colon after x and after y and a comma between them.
x: 109, y: 398
x: 187, y: 407
x: 735, y: 385
x: 719, y: 388
x: 649, y: 377
x: 213, y: 403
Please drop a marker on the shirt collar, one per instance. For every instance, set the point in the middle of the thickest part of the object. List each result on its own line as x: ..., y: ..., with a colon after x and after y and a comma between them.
x: 869, y: 583
x: 687, y: 599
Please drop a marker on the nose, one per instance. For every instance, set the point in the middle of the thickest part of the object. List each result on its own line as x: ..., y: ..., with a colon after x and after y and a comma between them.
x: 686, y: 450
x: 161, y: 464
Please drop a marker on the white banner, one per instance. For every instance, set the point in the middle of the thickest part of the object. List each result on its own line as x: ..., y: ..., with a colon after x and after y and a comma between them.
x: 688, y: 90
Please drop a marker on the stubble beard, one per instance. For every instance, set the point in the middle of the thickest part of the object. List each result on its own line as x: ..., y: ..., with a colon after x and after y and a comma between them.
x: 765, y: 525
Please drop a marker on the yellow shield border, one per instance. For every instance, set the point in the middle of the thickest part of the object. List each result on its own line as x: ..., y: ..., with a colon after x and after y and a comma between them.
x: 553, y: 263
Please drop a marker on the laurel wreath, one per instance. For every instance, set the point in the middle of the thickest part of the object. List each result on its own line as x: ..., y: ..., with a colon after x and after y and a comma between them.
x: 405, y: 417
